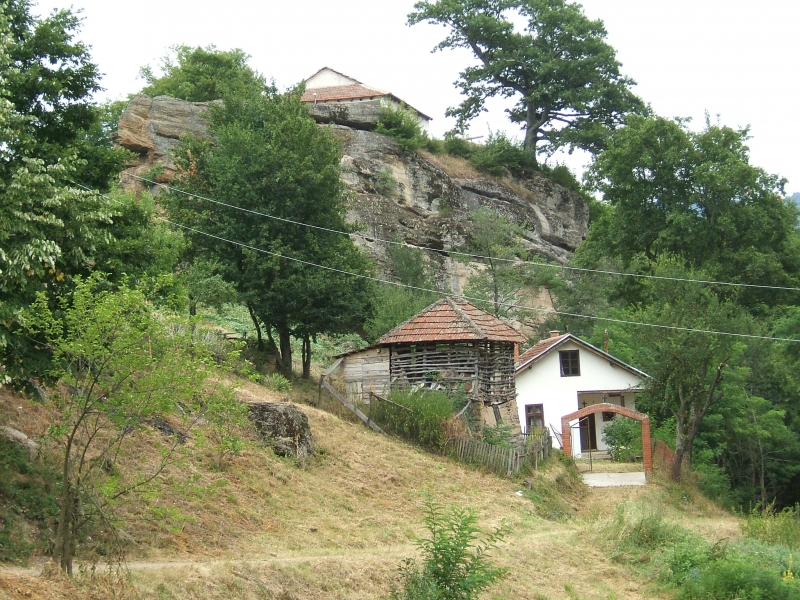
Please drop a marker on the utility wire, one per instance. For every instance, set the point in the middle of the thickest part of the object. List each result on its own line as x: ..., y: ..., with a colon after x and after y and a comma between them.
x: 506, y: 304
x: 442, y: 293
x: 370, y: 238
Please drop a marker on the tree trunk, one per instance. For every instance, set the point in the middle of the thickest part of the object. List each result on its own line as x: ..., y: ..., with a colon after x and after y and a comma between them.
x: 192, y: 306
x: 285, y: 359
x: 65, y: 534
x: 306, y: 354
x: 253, y: 316
x: 532, y: 126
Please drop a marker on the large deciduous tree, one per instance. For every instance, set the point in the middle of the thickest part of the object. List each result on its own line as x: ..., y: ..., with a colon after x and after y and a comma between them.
x: 559, y: 68
x: 696, y: 196
x: 268, y: 155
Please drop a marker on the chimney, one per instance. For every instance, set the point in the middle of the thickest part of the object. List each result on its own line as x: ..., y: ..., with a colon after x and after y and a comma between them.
x: 555, y: 333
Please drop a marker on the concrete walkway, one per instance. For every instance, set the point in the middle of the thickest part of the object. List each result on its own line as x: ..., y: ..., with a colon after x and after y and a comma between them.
x: 614, y: 479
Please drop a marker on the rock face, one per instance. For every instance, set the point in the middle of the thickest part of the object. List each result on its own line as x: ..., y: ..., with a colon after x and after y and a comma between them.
x: 21, y: 440
x: 397, y: 195
x: 285, y: 427
x: 152, y: 128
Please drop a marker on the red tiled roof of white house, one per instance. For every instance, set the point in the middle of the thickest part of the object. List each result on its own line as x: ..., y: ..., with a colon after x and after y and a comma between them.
x: 543, y: 347
x: 342, y: 92
x: 452, y: 320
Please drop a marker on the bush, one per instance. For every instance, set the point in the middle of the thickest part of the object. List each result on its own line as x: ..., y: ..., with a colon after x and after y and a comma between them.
x: 780, y: 528
x: 402, y: 125
x: 501, y: 155
x: 277, y: 382
x: 455, y: 558
x: 623, y: 437
x: 455, y: 145
x: 497, y: 435
x: 418, y: 415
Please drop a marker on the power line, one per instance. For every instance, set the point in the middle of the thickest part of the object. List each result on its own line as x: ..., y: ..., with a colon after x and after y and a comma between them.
x: 466, y: 254
x: 442, y: 293
x: 506, y: 304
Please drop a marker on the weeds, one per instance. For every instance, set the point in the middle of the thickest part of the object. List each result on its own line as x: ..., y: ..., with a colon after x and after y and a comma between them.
x: 418, y: 415
x: 777, y: 528
x: 277, y: 382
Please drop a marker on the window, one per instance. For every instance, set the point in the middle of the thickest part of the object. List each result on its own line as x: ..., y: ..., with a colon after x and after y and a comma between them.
x: 570, y: 363
x: 534, y: 416
x: 608, y: 416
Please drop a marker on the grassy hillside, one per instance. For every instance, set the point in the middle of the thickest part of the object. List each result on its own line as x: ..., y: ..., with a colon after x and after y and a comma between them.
x: 339, y: 525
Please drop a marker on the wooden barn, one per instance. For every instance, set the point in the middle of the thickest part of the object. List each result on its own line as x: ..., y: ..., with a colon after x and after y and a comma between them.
x: 362, y: 371
x: 451, y: 344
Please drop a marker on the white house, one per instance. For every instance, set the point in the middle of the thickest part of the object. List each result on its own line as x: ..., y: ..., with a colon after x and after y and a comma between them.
x: 562, y: 374
x: 327, y: 86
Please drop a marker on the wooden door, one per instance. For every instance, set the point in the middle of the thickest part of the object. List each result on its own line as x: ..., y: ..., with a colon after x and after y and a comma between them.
x: 588, y: 433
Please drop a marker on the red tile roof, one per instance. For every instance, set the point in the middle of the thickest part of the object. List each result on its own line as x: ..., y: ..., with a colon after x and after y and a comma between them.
x: 452, y: 320
x: 539, y: 347
x: 341, y: 92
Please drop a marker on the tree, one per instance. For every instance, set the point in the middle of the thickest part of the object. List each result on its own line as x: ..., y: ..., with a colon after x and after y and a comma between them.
x: 201, y: 74
x: 563, y: 75
x: 121, y: 367
x: 696, y: 196
x: 269, y: 156
x: 495, y: 237
x: 49, y: 80
x: 690, y: 371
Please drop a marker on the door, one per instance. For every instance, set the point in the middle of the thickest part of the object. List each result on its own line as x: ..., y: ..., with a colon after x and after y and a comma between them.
x: 588, y: 433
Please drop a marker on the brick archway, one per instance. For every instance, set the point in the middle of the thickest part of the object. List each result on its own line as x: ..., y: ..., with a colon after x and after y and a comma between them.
x: 647, y: 449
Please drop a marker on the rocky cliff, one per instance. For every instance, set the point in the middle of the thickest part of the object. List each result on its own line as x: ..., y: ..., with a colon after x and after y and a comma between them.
x: 397, y: 195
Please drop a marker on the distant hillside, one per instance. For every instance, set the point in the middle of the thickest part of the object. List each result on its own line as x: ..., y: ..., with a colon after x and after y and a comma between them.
x: 795, y: 198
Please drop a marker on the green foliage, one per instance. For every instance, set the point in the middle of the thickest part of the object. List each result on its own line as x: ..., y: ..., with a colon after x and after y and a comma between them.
x: 396, y: 304
x: 500, y: 156
x: 402, y: 125
x: 456, y: 564
x: 121, y: 367
x: 270, y: 156
x: 497, y: 435
x: 200, y: 74
x: 28, y: 491
x: 417, y: 415
x: 548, y: 56
x: 624, y: 439
x: 780, y: 528
x: 386, y: 184
x: 683, y: 560
x: 277, y: 382
x: 456, y: 145
x: 502, y: 281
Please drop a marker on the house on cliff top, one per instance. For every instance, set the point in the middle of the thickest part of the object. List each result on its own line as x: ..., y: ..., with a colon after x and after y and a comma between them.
x: 329, y: 87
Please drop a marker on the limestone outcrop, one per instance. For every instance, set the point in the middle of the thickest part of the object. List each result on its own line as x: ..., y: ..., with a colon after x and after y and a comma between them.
x: 285, y: 427
x: 397, y: 195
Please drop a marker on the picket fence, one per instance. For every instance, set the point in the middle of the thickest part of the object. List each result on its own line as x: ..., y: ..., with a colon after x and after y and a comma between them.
x: 501, y: 460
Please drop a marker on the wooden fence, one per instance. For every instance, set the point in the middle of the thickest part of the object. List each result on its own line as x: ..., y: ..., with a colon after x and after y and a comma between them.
x: 504, y: 461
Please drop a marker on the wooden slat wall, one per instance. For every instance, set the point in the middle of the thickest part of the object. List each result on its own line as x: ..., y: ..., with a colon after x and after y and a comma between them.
x: 504, y: 461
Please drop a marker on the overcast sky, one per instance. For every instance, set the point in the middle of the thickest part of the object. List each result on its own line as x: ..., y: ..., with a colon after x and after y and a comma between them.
x: 730, y: 58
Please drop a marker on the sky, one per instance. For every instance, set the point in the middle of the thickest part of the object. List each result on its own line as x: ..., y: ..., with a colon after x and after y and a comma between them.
x: 734, y: 60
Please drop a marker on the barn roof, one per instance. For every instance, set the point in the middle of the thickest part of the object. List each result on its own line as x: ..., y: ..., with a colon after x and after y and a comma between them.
x: 452, y: 320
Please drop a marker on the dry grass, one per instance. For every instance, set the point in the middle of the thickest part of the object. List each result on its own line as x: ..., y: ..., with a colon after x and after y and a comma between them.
x: 455, y: 166
x: 339, y: 525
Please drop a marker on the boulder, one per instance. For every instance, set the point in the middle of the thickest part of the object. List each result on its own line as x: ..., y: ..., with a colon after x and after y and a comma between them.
x: 285, y: 427
x: 18, y: 438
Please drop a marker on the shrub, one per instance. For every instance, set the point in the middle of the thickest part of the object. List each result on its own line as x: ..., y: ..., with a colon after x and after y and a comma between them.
x: 277, y: 382
x: 561, y: 175
x: 780, y: 528
x: 402, y: 125
x: 623, y: 437
x: 385, y: 183
x: 501, y: 155
x: 455, y: 558
x: 418, y: 415
x: 455, y: 145
x: 497, y: 435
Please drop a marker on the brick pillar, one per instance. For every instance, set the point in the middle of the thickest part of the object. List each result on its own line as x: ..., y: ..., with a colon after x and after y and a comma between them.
x: 566, y: 438
x: 647, y: 446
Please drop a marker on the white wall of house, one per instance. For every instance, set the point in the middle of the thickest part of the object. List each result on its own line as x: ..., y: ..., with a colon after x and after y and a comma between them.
x: 542, y: 383
x: 328, y: 78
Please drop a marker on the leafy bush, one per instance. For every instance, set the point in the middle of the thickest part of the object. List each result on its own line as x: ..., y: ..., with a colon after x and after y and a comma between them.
x: 780, y: 528
x: 277, y: 382
x: 501, y: 155
x: 455, y: 145
x: 402, y: 125
x: 561, y: 175
x: 455, y: 558
x: 623, y: 437
x: 497, y: 435
x: 385, y: 183
x: 418, y: 415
